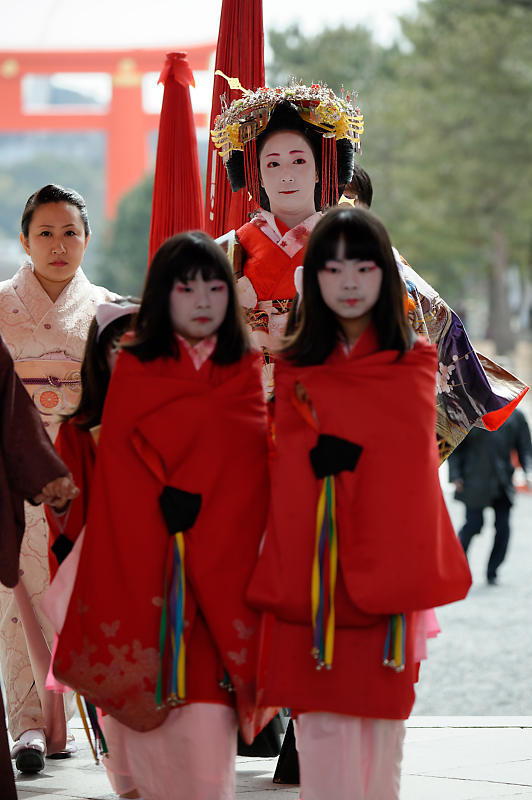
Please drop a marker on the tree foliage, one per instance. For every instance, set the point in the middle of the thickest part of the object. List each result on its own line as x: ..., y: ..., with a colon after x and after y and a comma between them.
x: 123, y: 257
x: 447, y: 140
x: 447, y: 143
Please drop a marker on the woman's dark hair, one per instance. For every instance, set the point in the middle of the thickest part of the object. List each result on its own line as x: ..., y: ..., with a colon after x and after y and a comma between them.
x: 285, y: 117
x: 365, y: 238
x: 181, y: 258
x: 360, y: 185
x: 52, y: 193
x: 95, y: 373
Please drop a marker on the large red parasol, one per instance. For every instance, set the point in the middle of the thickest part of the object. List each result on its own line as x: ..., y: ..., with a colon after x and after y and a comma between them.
x: 239, y: 54
x: 177, y: 194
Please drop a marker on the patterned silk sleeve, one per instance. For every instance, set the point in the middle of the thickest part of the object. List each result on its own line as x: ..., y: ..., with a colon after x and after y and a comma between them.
x: 470, y: 388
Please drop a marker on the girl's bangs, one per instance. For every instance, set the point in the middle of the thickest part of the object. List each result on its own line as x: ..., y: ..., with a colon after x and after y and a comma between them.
x: 360, y: 245
x: 191, y: 263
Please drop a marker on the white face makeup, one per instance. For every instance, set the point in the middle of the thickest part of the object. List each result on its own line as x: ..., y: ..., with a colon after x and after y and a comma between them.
x: 350, y: 288
x: 288, y: 174
x: 198, y: 307
x: 56, y: 244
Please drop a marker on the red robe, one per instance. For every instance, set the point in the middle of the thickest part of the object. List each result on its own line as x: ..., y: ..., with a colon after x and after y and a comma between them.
x: 203, y: 432
x: 270, y: 270
x: 397, y: 548
x: 77, y: 448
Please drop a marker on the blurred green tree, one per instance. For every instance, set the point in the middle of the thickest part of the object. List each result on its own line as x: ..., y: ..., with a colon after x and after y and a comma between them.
x: 469, y: 68
x: 122, y: 258
x: 447, y: 140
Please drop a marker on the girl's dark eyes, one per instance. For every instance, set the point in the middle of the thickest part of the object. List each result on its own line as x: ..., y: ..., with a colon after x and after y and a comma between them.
x: 300, y: 161
x: 272, y: 164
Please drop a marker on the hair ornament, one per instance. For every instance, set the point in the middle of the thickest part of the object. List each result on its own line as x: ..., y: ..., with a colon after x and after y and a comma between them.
x: 109, y: 312
x: 247, y: 117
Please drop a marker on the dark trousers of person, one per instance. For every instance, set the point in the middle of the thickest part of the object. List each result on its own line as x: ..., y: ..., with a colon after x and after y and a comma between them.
x: 473, y: 525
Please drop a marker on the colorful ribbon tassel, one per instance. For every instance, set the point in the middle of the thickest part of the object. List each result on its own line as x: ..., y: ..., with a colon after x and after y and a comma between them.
x: 394, y: 646
x: 324, y: 570
x: 172, y: 651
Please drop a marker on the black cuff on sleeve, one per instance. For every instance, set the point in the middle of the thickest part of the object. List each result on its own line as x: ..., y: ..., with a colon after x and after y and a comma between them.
x: 62, y: 547
x: 180, y: 509
x: 333, y: 455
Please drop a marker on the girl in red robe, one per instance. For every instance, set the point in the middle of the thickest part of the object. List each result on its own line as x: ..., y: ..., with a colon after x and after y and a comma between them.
x: 157, y: 632
x: 358, y: 538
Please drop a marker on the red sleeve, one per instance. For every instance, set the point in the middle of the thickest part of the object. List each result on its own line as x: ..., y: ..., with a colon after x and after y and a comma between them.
x: 77, y: 449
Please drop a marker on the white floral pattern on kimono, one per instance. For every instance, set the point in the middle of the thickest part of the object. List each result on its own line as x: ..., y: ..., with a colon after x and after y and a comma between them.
x: 34, y: 327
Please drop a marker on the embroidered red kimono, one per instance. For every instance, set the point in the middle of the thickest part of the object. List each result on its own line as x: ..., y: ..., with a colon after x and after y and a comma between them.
x: 271, y: 259
x: 204, y: 432
x: 77, y: 448
x: 397, y: 550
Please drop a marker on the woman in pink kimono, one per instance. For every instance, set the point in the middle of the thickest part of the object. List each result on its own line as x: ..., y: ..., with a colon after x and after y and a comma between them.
x: 45, y: 312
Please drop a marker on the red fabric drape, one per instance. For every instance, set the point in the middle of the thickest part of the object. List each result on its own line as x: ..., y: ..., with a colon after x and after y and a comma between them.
x: 239, y: 54
x: 177, y: 193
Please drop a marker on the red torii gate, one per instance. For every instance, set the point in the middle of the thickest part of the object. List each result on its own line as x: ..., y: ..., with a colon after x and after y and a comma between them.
x: 124, y: 121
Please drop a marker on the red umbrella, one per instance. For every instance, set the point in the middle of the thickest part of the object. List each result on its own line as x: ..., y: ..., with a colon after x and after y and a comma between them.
x: 239, y: 54
x: 177, y: 194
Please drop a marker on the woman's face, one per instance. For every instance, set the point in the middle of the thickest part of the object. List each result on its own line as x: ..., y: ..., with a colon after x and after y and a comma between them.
x: 56, y: 243
x: 350, y: 288
x: 288, y: 172
x: 198, y: 307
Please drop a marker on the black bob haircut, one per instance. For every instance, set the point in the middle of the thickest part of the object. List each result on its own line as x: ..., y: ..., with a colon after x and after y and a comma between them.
x: 316, y: 331
x: 95, y: 373
x: 181, y: 258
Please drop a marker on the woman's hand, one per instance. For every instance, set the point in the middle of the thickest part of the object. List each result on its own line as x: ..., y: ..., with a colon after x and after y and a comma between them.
x: 58, y: 492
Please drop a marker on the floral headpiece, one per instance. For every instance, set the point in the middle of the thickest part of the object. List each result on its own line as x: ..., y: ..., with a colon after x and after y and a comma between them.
x: 330, y: 118
x: 247, y: 117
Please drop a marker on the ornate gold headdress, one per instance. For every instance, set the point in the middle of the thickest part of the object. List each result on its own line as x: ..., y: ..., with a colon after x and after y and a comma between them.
x: 247, y: 117
x: 325, y: 117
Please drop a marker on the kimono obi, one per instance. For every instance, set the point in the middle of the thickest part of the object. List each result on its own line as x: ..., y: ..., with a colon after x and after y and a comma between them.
x: 54, y: 385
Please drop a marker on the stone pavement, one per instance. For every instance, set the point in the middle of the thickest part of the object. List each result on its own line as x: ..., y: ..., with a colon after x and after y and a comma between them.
x: 446, y: 758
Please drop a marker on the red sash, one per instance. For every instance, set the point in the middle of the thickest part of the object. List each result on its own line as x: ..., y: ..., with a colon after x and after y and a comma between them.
x: 270, y: 270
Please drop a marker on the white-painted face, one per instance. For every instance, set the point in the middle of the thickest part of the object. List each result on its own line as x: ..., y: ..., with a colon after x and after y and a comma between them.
x: 288, y: 172
x: 198, y: 307
x: 350, y: 288
x: 56, y: 242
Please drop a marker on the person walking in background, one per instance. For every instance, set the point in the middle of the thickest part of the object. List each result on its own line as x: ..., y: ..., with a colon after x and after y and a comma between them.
x: 45, y: 312
x: 481, y: 468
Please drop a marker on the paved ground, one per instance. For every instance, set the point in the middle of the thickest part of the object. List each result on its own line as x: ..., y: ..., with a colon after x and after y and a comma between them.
x: 481, y: 662
x: 446, y: 758
x: 470, y: 737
